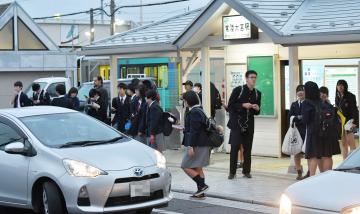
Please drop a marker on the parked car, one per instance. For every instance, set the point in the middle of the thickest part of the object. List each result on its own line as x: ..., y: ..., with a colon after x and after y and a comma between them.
x: 49, y: 84
x: 55, y: 160
x: 334, y: 191
x: 87, y: 86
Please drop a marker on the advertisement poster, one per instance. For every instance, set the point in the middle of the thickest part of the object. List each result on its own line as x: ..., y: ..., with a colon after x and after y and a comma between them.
x: 335, y: 73
x: 235, y: 77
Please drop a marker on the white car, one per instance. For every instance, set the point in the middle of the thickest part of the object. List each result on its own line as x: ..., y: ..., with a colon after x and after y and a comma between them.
x: 336, y: 191
x: 49, y: 84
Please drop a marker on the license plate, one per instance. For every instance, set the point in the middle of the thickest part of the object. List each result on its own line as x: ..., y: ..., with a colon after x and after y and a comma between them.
x: 140, y: 189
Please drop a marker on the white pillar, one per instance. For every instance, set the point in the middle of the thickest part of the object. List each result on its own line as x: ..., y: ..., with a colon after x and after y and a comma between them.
x: 205, y: 74
x: 113, y: 76
x: 294, y: 80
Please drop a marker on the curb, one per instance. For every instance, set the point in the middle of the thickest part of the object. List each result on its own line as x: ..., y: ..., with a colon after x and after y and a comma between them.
x: 230, y: 198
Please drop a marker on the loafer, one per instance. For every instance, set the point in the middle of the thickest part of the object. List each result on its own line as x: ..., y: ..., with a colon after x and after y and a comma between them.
x: 231, y: 176
x: 202, y: 190
x: 247, y: 175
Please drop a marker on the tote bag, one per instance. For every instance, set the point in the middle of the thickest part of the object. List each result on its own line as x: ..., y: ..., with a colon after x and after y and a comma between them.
x: 292, y: 144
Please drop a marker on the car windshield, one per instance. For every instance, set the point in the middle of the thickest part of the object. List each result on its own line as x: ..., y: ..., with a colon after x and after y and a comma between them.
x: 84, y: 91
x: 56, y: 130
x: 353, y: 162
x: 29, y: 91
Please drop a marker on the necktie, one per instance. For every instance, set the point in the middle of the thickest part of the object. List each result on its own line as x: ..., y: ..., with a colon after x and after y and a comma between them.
x: 121, y: 101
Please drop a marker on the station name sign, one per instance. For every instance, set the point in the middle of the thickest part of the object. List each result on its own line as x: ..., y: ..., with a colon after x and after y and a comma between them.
x: 238, y: 27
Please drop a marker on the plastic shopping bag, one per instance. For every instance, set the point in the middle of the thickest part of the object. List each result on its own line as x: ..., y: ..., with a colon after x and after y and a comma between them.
x: 292, y: 144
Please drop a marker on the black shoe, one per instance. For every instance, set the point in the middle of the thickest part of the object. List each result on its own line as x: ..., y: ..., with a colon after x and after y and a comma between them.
x: 247, y: 175
x: 202, y: 190
x: 231, y: 176
x: 300, y: 176
x: 306, y: 176
x: 200, y: 197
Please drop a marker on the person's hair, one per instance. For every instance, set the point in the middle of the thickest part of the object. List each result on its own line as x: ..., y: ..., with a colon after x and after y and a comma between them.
x: 300, y: 88
x: 343, y: 83
x: 249, y: 72
x: 99, y: 78
x: 198, y: 85
x: 191, y: 98
x: 122, y: 86
x: 60, y: 88
x: 73, y: 90
x: 93, y: 92
x: 151, y: 94
x: 324, y: 90
x: 35, y: 86
x: 147, y: 84
x: 135, y: 82
x: 312, y: 91
x: 131, y: 88
x: 18, y: 84
x: 142, y: 91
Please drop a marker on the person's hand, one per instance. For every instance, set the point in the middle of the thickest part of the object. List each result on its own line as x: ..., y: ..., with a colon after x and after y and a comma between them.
x: 140, y: 134
x: 256, y: 107
x: 113, y: 109
x: 223, y: 103
x: 353, y: 126
x: 191, y: 152
x: 152, y: 139
x: 247, y: 105
x: 36, y: 101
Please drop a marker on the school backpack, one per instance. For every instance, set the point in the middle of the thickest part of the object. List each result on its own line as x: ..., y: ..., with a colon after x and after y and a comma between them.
x: 168, y: 123
x: 216, y: 138
x: 326, y: 121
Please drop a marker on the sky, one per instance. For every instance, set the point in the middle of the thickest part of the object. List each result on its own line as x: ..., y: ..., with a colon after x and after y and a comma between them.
x: 41, y: 8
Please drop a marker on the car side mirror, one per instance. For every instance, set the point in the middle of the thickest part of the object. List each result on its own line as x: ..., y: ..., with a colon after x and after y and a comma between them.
x: 16, y: 148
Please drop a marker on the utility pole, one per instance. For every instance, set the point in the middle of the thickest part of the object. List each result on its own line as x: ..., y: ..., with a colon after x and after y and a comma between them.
x: 112, y: 13
x: 102, y: 11
x: 141, y: 13
x: 92, y: 29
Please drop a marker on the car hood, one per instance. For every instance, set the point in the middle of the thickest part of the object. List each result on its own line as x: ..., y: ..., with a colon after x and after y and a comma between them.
x: 332, y: 191
x: 111, y: 157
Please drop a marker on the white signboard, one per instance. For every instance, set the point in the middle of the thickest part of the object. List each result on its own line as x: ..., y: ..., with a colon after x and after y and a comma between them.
x: 333, y: 74
x: 237, y: 27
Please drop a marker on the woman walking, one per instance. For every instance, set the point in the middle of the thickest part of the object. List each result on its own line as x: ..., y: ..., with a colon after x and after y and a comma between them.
x: 74, y: 102
x: 197, y: 151
x: 345, y: 102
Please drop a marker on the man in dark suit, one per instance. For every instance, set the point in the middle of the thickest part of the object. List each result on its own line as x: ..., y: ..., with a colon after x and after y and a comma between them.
x: 154, y: 122
x: 134, y: 104
x: 20, y: 99
x: 60, y: 100
x: 104, y: 96
x: 40, y: 97
x: 121, y: 108
x: 244, y: 103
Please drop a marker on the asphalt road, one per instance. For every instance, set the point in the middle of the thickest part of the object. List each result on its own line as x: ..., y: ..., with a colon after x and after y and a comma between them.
x: 176, y: 206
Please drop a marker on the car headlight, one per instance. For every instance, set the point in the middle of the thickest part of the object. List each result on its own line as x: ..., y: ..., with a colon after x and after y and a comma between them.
x: 160, y: 160
x: 351, y: 210
x: 80, y: 169
x: 285, y: 205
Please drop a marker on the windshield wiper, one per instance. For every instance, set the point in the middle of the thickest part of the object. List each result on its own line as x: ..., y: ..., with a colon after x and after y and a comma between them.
x: 89, y: 142
x: 349, y: 169
x: 103, y: 141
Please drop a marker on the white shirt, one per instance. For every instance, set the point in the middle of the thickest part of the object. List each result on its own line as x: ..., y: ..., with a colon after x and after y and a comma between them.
x: 122, y: 99
x: 133, y: 96
x: 194, y: 107
x: 18, y: 104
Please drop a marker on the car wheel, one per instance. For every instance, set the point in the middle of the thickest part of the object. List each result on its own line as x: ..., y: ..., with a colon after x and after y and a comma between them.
x: 145, y: 211
x: 51, y: 199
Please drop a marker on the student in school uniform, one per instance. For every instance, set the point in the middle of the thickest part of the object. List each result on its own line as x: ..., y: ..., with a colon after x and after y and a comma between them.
x: 141, y: 113
x: 154, y: 122
x: 131, y: 92
x: 21, y: 99
x: 74, y: 102
x: 40, y: 97
x: 121, y: 108
x: 60, y: 100
x: 94, y: 108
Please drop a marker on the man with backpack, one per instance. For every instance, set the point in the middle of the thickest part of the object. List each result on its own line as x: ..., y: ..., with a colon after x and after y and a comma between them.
x: 244, y: 103
x: 40, y: 97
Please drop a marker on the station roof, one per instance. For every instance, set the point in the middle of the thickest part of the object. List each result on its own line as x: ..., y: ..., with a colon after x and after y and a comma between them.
x: 158, y: 35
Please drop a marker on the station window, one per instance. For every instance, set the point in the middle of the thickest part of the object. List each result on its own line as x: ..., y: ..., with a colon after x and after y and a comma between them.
x: 27, y: 39
x: 7, y: 36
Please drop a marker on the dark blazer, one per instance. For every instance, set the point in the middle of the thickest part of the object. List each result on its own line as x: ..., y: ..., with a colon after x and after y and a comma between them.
x: 134, y: 115
x: 104, y: 98
x: 100, y: 114
x: 142, y: 117
x: 154, y: 119
x: 236, y: 111
x: 43, y: 97
x: 74, y: 103
x: 195, y: 134
x: 60, y: 102
x: 295, y: 110
x: 347, y: 105
x: 24, y: 100
x: 122, y: 112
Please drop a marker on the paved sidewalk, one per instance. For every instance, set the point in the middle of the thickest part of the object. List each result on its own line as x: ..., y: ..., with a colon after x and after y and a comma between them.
x: 269, y: 180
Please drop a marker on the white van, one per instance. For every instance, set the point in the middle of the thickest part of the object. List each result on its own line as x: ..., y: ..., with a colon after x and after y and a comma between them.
x: 49, y: 84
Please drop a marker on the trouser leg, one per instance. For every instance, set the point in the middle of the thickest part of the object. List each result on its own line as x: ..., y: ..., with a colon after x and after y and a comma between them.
x: 235, y: 146
x: 247, y: 143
